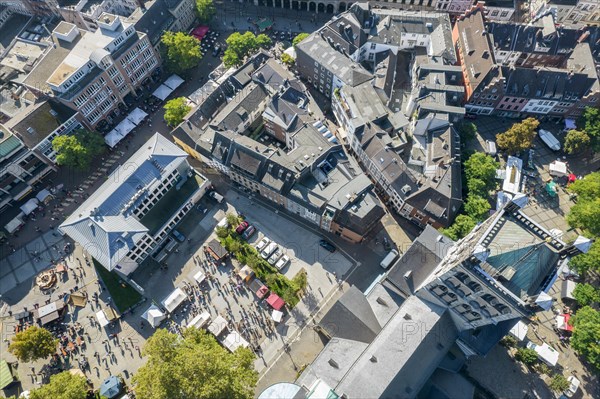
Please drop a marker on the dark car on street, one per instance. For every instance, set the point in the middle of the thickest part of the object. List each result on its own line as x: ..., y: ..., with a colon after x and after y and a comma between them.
x: 242, y: 227
x: 249, y: 232
x: 327, y: 245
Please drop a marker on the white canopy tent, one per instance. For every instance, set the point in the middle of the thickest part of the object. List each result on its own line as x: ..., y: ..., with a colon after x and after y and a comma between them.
x: 277, y: 315
x: 162, y: 92
x: 200, y: 276
x: 102, y: 319
x: 519, y: 331
x: 154, y: 315
x: 173, y: 82
x: 174, y: 299
x: 199, y: 321
x: 119, y: 132
x: 583, y: 244
x: 217, y: 326
x: 30, y: 206
x: 544, y: 301
x: 14, y: 224
x: 558, y: 168
x: 43, y: 195
x: 234, y: 340
x: 545, y: 353
x: 137, y: 116
x: 566, y: 289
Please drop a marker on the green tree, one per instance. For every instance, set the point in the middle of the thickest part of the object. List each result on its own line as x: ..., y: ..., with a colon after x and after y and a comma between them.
x: 175, y: 110
x: 478, y: 187
x: 206, y: 10
x: 586, y: 215
x: 288, y: 59
x: 590, y: 261
x: 477, y: 208
x: 576, y: 141
x: 519, y: 137
x: 77, y: 150
x: 480, y: 167
x: 526, y: 356
x: 586, y: 294
x: 263, y: 41
x: 587, y: 188
x: 62, y: 386
x: 242, y: 43
x: 462, y: 226
x: 467, y: 131
x: 586, y: 334
x: 32, y: 344
x: 299, y: 38
x: 182, y: 51
x: 230, y: 58
x: 590, y: 120
x: 194, y: 366
x: 559, y: 383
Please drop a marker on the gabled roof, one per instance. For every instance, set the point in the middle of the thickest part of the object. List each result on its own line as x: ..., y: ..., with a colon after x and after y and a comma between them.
x: 105, y: 224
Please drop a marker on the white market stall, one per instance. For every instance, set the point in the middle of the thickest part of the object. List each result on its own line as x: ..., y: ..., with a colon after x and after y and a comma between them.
x: 234, y: 340
x: 162, y: 92
x: 544, y: 301
x: 173, y: 82
x: 15, y: 224
x: 519, y: 331
x: 44, y: 196
x: 277, y: 316
x: 137, y: 116
x: 512, y: 179
x: 200, y: 276
x: 217, y: 326
x: 174, y: 299
x: 154, y: 315
x: 30, y: 206
x: 119, y: 132
x: 558, y: 168
x: 199, y: 321
x: 566, y: 289
x: 545, y: 353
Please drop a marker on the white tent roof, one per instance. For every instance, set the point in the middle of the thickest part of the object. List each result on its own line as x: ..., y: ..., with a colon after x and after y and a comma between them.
x: 557, y: 167
x: 546, y: 353
x: 174, y: 299
x: 43, y: 194
x: 154, y: 315
x: 277, y: 315
x: 217, y: 326
x: 162, y: 92
x: 101, y: 316
x: 234, y: 340
x: 14, y: 224
x: 199, y: 321
x: 200, y: 276
x: 583, y: 244
x: 566, y: 290
x: 544, y: 301
x: 30, y: 206
x: 173, y: 82
x: 137, y: 116
x: 119, y: 132
x: 519, y: 331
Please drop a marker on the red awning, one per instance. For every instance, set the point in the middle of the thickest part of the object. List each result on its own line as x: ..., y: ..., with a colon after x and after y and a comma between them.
x: 200, y: 31
x: 567, y: 326
x: 262, y: 291
x: 275, y: 301
x: 572, y: 178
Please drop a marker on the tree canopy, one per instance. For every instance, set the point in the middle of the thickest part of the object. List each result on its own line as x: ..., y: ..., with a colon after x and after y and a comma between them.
x: 240, y: 45
x: 576, y: 141
x: 480, y: 171
x: 467, y: 131
x: 175, y: 110
x: 462, y: 226
x: 527, y: 356
x: 62, y: 386
x: 585, y: 214
x: 478, y: 208
x: 590, y: 261
x: 299, y: 37
x: 206, y: 10
x: 287, y: 59
x: 586, y: 334
x: 590, y: 120
x: 559, y: 383
x: 194, y: 366
x: 77, y: 150
x: 586, y: 294
x: 182, y: 51
x: 519, y: 137
x: 32, y: 344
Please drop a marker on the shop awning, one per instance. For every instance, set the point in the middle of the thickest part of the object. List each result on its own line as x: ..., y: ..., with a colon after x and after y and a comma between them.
x: 217, y: 326
x: 275, y: 301
x: 199, y: 321
x: 162, y: 92
x: 137, y: 116
x: 173, y: 82
x: 30, y: 206
x: 153, y: 315
x: 6, y: 375
x: 199, y: 31
x: 174, y: 299
x: 234, y: 340
x: 262, y: 291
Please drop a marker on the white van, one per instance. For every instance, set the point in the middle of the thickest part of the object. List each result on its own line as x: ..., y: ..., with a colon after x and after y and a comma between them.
x: 573, y: 386
x: 268, y: 251
x: 490, y: 148
x: 223, y: 223
x: 389, y: 258
x: 218, y: 197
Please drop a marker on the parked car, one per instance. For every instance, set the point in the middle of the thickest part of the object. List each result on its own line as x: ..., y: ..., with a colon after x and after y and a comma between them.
x: 249, y: 232
x: 262, y: 243
x: 282, y: 262
x: 178, y: 236
x: 201, y: 209
x: 573, y: 386
x: 215, y: 195
x: 275, y: 256
x: 327, y: 245
x: 216, y: 51
x: 242, y: 227
x: 269, y: 249
x: 386, y: 244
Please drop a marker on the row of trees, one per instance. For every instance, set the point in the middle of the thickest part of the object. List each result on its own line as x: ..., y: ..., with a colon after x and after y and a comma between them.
x: 240, y: 45
x: 480, y: 171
